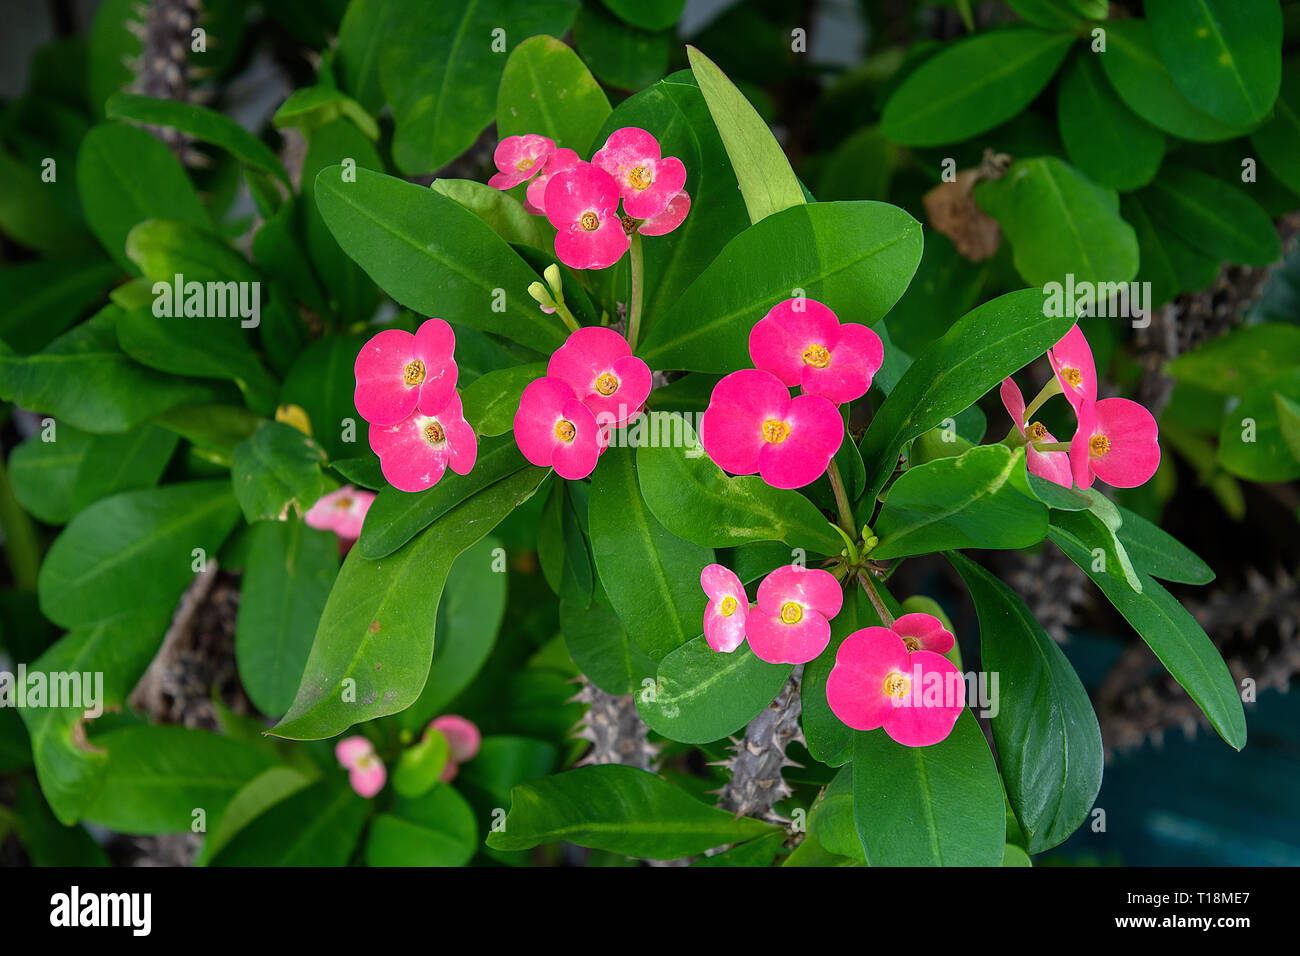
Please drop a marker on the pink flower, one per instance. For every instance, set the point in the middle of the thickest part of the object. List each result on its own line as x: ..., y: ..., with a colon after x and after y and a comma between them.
x: 1073, y: 364
x: 924, y: 632
x: 753, y: 425
x: 581, y: 202
x: 802, y: 343
x: 342, y: 511
x: 669, y: 219
x: 727, y: 610
x: 598, y: 364
x: 916, y: 696
x: 1052, y: 465
x: 416, y: 452
x: 535, y: 197
x: 463, y: 739
x: 366, y: 771
x: 647, y: 182
x: 791, y: 624
x: 398, y: 372
x: 520, y: 158
x: 1117, y: 441
x: 555, y: 430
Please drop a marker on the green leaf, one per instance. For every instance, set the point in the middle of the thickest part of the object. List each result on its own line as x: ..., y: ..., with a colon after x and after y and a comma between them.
x: 973, y: 85
x: 374, y: 645
x: 546, y: 89
x: 695, y: 500
x: 861, y: 253
x: 648, y: 14
x: 979, y: 351
x: 420, y: 765
x: 133, y: 551
x: 1213, y: 216
x: 601, y: 648
x: 433, y: 255
x: 321, y: 382
x: 700, y: 694
x: 1145, y: 84
x: 437, y: 829
x: 201, y: 123
x: 1054, y: 496
x: 125, y: 176
x: 1236, y: 362
x: 766, y: 180
x: 500, y: 210
x: 1173, y: 634
x: 1288, y: 420
x: 1168, y: 263
x: 1159, y: 553
x: 1278, y: 141
x: 1224, y: 55
x: 1044, y: 726
x: 650, y: 574
x: 316, y: 826
x: 619, y: 809
x: 1102, y: 136
x: 364, y: 32
x: 277, y: 470
x: 1045, y: 196
x: 976, y: 500
x: 253, y: 799
x: 440, y: 71
x: 287, y: 579
x: 831, y: 822
x: 395, y: 517
x: 314, y: 107
x: 158, y: 776
x: 491, y: 400
x: 1252, y: 444
x: 1048, y: 14
x: 46, y: 296
x: 929, y: 806
x: 621, y: 55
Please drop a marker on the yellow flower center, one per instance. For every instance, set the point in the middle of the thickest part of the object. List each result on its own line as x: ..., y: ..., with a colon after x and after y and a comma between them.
x: 1037, y: 431
x: 365, y: 762
x: 564, y: 430
x: 1098, y: 445
x: 343, y: 504
x: 607, y: 384
x: 640, y: 178
x: 775, y: 431
x: 434, y: 434
x: 791, y: 613
x: 525, y: 164
x: 589, y: 221
x: 1072, y: 377
x: 912, y: 643
x: 818, y: 356
x: 897, y: 685
x: 728, y: 606
x: 413, y: 374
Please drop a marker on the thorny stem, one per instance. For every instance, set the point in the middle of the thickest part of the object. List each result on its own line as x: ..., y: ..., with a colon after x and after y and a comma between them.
x: 869, y: 586
x: 1053, y: 387
x: 841, y: 499
x: 638, y: 291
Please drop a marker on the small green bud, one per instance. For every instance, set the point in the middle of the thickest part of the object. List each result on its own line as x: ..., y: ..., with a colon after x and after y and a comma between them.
x: 552, y: 274
x: 541, y: 294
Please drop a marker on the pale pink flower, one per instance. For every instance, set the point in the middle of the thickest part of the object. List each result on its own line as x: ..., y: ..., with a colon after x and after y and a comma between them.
x: 1075, y: 369
x: 463, y: 740
x: 520, y: 158
x: 366, y: 771
x: 342, y: 511
x: 727, y: 610
x: 416, y: 452
x: 1052, y: 465
x: 598, y: 364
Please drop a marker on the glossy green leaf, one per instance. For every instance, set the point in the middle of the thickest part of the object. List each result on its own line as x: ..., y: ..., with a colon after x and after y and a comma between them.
x: 1240, y: 360
x: 1103, y: 137
x: 651, y: 575
x: 133, y: 551
x: 831, y: 818
x: 601, y: 648
x: 546, y: 89
x: 1252, y: 444
x: 316, y: 826
x: 973, y: 85
x: 861, y: 253
x: 277, y: 470
x: 437, y: 829
x: 252, y: 800
x: 45, y: 297
x: 491, y: 400
x: 700, y: 694
x: 621, y: 55
x: 979, y: 351
x: 766, y: 180
x: 433, y: 255
x: 929, y: 806
x: 1173, y: 634
x: 1046, y: 732
x: 1278, y: 141
x: 619, y: 809
x: 321, y: 382
x: 373, y: 648
x: 1159, y: 553
x: 1213, y: 216
x: 694, y: 499
x: 648, y: 14
x: 500, y: 210
x: 363, y: 33
x: 976, y: 500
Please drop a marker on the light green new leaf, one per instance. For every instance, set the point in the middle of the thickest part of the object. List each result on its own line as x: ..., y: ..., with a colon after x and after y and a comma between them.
x: 277, y: 470
x: 546, y: 89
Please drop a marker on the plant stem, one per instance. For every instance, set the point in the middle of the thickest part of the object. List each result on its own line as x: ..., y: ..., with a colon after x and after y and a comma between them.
x: 1053, y: 387
x: 638, y: 291
x: 842, y: 499
x: 563, y: 312
x: 869, y: 586
x: 1051, y: 446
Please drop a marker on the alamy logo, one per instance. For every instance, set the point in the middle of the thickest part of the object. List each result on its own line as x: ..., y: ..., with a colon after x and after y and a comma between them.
x: 1084, y: 299
x: 211, y: 300
x: 83, y: 690
x: 74, y: 908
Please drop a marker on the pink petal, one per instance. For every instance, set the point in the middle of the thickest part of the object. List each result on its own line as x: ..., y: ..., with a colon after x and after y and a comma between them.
x: 449, y: 771
x: 1072, y: 355
x: 1014, y: 402
x: 626, y: 147
x: 778, y: 340
x: 1134, y: 437
x: 816, y: 432
x: 719, y: 582
x: 577, y: 190
x: 724, y: 632
x: 382, y: 396
x: 918, y: 721
x: 529, y: 150
x: 1080, y: 457
x: 731, y: 428
x: 462, y: 736
x: 539, y: 412
x: 586, y: 354
x: 854, y: 360
x: 773, y: 640
x: 325, y: 514
x: 351, y: 749
x: 407, y: 459
x: 368, y: 781
x: 576, y: 458
x: 669, y: 219
x: 1052, y: 465
x: 562, y: 158
x: 927, y: 630
x: 855, y: 688
x: 668, y: 178
x: 598, y: 248
x: 808, y: 587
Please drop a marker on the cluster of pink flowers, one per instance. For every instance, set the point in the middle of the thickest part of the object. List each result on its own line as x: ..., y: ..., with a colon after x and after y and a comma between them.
x: 406, y: 390
x: 580, y: 199
x: 367, y: 773
x: 593, y: 383
x: 753, y: 425
x: 1117, y: 440
x: 789, y: 624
